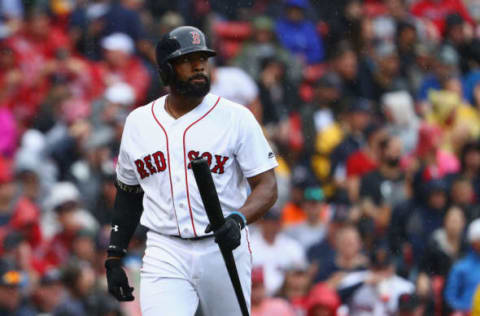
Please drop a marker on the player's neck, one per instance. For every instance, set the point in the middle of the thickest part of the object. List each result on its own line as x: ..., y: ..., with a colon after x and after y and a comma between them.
x: 178, y: 105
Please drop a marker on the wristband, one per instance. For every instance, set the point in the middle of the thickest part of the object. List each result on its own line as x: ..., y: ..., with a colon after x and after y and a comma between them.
x: 244, y: 219
x: 115, y: 251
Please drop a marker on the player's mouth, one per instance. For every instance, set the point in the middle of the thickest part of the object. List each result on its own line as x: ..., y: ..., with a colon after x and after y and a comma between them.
x: 198, y: 79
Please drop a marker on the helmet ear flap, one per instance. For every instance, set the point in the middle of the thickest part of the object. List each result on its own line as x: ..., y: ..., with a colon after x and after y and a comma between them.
x: 166, y: 72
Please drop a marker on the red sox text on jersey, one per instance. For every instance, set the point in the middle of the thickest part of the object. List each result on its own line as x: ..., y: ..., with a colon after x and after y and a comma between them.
x: 156, y: 162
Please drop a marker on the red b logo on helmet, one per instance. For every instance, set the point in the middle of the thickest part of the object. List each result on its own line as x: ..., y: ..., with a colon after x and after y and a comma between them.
x: 195, y: 38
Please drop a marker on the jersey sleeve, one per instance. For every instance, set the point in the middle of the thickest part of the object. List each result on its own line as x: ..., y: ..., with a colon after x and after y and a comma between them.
x: 253, y: 153
x: 125, y: 166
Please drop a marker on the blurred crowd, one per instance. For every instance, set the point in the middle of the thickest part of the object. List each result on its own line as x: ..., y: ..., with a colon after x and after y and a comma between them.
x: 372, y: 107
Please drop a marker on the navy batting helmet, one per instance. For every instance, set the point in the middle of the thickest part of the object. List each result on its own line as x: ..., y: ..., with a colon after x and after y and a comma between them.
x: 178, y: 42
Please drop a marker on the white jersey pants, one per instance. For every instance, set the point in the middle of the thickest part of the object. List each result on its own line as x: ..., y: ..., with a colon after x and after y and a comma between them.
x: 177, y: 274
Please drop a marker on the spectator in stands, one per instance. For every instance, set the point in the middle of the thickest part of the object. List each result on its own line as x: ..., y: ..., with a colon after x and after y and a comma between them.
x: 83, y: 246
x: 278, y: 99
x: 463, y: 196
x: 343, y: 19
x: 457, y: 37
x: 104, y: 204
x: 263, y: 305
x: 437, y: 11
x: 446, y: 246
x: 426, y: 217
x: 122, y: 17
x: 446, y: 243
x: 11, y: 17
x: 83, y: 297
x: 445, y: 65
x: 326, y: 248
x: 345, y: 65
x: 365, y: 159
x: 321, y: 131
x: 382, y: 189
x: 17, y: 212
x: 313, y: 228
x: 428, y: 161
x: 297, y: 283
x: 48, y: 293
x: 263, y: 44
x: 376, y: 291
x: 402, y: 121
x: 464, y: 276
x: 357, y: 117
x: 87, y: 172
x: 292, y: 212
x: 34, y: 167
x: 34, y: 45
x: 459, y: 121
x: 406, y: 39
x: 74, y: 71
x: 322, y: 301
x: 120, y: 65
x: 385, y: 77
x: 298, y: 34
x: 347, y: 257
x: 410, y: 305
x: 11, y: 300
x: 319, y: 115
x: 11, y: 78
x: 90, y: 23
x: 236, y: 85
x: 63, y: 206
x: 7, y: 191
x: 472, y: 77
x: 268, y: 243
x: 470, y: 166
x: 17, y: 250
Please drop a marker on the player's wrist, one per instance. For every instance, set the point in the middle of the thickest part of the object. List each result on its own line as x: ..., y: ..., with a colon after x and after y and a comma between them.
x: 240, y: 218
x: 113, y: 262
x: 116, y: 252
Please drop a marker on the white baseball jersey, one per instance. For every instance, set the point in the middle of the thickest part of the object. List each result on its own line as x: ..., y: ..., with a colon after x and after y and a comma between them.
x: 156, y: 149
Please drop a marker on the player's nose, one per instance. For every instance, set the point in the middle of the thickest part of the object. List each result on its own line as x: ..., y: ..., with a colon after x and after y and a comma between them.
x: 198, y: 66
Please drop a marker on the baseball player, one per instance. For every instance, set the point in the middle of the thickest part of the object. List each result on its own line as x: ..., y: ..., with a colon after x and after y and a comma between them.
x: 182, y: 266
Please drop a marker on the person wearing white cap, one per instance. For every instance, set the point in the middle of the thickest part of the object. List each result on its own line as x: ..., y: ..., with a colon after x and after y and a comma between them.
x: 465, y: 274
x: 63, y: 211
x: 121, y: 65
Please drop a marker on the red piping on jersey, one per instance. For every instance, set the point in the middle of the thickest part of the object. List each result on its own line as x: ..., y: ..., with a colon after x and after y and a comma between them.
x: 169, y: 172
x: 248, y: 243
x: 185, y: 162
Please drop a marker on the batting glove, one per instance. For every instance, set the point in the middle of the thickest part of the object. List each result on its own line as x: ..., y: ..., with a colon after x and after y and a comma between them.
x: 117, y: 280
x: 228, y: 235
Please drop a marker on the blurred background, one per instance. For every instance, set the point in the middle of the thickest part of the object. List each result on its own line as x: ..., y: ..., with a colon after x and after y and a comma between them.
x: 372, y: 107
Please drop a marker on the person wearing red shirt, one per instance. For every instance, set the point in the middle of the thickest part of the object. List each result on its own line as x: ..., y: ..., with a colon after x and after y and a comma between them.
x: 365, y: 159
x: 120, y: 65
x: 437, y: 10
x: 33, y: 45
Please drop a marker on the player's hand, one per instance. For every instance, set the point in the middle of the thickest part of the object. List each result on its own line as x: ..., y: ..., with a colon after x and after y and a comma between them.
x: 117, y: 280
x: 228, y: 235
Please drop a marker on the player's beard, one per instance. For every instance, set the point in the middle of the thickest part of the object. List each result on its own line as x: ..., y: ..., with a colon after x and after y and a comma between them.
x: 190, y: 89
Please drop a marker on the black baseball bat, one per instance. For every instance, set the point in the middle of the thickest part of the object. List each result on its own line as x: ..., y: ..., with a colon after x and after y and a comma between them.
x: 209, y: 195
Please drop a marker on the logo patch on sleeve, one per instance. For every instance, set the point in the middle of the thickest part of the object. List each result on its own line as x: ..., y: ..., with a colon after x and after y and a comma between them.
x: 271, y: 155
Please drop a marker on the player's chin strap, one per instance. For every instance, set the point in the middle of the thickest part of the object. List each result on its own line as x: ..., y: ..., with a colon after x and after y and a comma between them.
x: 125, y: 218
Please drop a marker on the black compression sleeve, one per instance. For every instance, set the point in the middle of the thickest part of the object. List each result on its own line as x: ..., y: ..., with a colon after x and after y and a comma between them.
x: 125, y: 218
